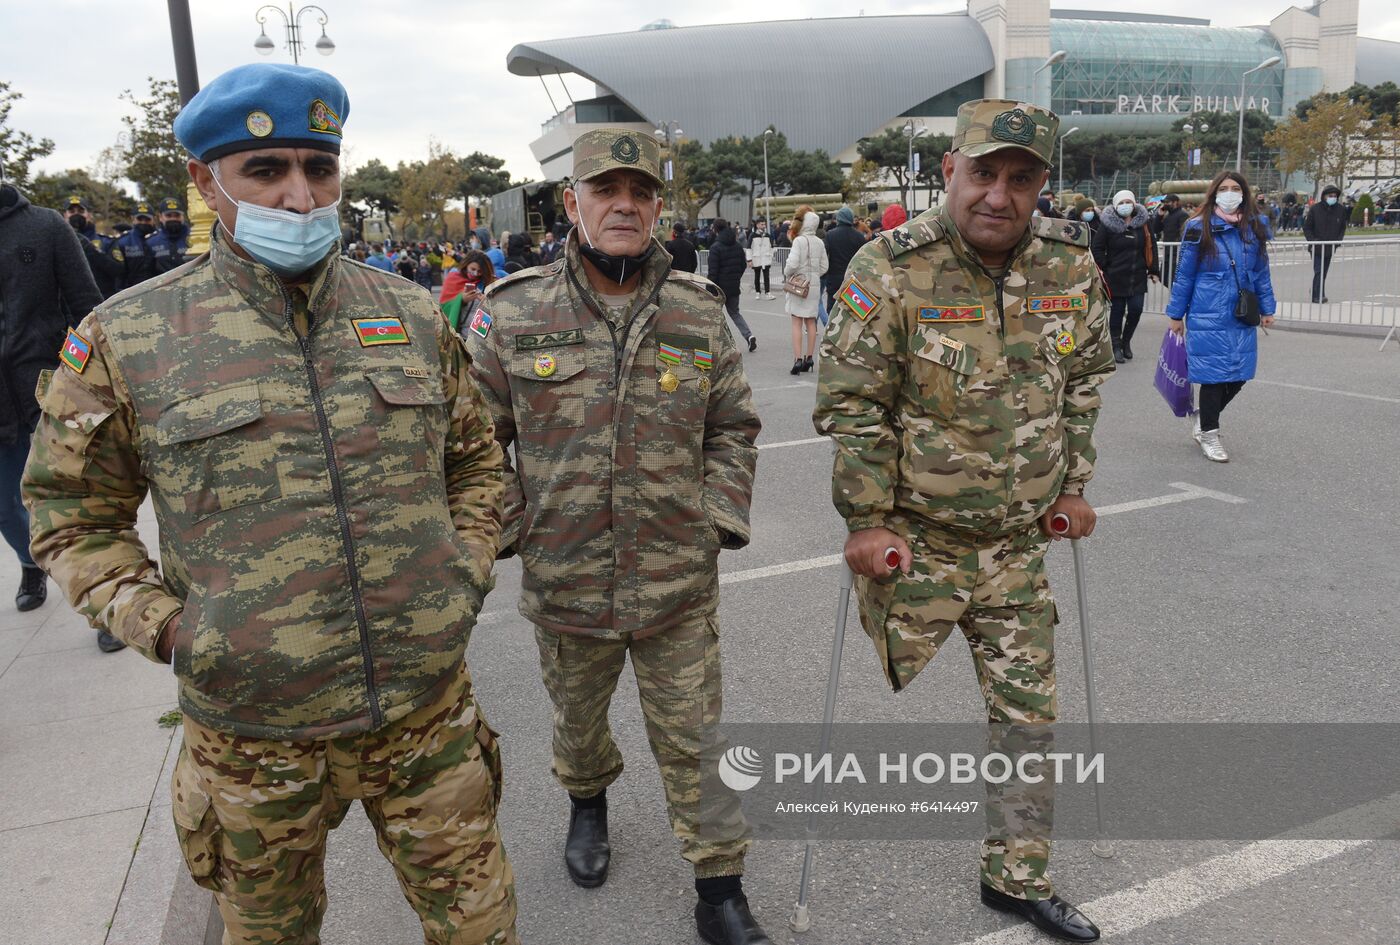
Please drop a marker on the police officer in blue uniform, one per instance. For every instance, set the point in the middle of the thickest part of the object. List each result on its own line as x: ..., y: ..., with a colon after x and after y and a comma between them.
x: 96, y: 247
x: 130, y: 250
x: 167, y: 246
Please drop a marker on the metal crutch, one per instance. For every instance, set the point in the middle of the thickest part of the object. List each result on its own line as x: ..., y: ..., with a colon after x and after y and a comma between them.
x: 1059, y: 524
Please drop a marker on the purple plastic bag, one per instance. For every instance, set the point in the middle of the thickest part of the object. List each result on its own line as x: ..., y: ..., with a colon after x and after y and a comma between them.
x: 1171, y: 380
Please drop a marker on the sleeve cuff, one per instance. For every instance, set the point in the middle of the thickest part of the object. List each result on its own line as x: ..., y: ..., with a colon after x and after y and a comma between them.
x: 856, y: 523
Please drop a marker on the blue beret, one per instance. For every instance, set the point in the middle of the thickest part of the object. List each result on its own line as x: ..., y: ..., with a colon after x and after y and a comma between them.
x: 264, y: 105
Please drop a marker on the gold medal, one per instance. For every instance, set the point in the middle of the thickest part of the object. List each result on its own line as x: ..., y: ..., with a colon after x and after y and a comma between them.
x: 704, y: 385
x: 669, y: 382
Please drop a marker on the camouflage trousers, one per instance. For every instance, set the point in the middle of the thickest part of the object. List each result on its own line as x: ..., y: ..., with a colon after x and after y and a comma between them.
x: 997, y: 594
x: 678, y: 681
x: 252, y: 817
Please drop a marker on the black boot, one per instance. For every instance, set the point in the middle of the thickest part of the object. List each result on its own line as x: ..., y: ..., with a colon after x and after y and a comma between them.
x: 586, y: 852
x: 753, y: 342
x: 1127, y: 348
x: 796, y: 367
x: 108, y: 643
x: 1118, y: 351
x: 729, y: 923
x: 1053, y: 916
x: 807, y: 363
x: 33, y: 589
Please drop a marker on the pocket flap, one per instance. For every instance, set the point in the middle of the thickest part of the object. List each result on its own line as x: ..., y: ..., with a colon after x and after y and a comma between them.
x: 551, y: 367
x: 73, y: 403
x: 940, y: 349
x: 188, y: 800
x: 401, y: 390
x: 209, y: 414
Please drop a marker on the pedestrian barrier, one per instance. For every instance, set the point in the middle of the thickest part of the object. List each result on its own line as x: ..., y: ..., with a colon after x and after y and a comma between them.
x: 1356, y: 281
x: 780, y: 255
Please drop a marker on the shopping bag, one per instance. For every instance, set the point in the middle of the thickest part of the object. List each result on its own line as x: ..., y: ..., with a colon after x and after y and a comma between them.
x: 1171, y: 380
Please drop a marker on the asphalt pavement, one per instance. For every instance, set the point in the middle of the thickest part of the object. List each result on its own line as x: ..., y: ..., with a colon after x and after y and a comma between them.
x: 1261, y: 590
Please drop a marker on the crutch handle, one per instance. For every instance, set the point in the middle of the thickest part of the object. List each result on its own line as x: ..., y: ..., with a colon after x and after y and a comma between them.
x: 1059, y: 523
x: 892, y: 557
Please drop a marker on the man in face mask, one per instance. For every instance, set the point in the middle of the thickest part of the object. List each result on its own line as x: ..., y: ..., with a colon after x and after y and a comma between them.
x: 96, y: 247
x: 130, y: 252
x: 328, y: 490
x: 1324, y: 227
x: 168, y: 244
x: 617, y: 382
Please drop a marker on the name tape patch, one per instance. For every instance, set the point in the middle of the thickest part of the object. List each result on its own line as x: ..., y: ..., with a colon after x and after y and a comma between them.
x: 1057, y: 303
x: 955, y: 313
x: 570, y: 336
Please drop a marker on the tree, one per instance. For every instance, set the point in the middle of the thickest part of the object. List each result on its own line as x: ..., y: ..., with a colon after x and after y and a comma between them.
x: 808, y: 172
x: 702, y: 175
x: 480, y: 175
x: 930, y: 149
x: 426, y: 186
x: 107, y: 202
x: 155, y: 161
x: 375, y: 186
x: 859, y: 187
x: 889, y: 150
x: 18, y: 149
x: 1323, y: 145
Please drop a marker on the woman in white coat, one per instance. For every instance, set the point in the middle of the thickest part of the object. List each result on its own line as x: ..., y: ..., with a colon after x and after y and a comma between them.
x: 807, y: 259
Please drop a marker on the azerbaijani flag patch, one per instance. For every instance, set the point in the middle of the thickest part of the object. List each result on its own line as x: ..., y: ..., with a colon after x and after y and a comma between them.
x: 860, y: 302
x: 380, y: 331
x: 668, y: 353
x: 76, y: 351
x: 481, y: 323
x: 704, y: 360
x: 957, y: 313
x: 1057, y: 303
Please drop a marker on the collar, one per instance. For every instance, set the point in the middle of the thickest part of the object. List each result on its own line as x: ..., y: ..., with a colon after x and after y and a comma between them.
x: 264, y: 290
x: 654, y: 273
x: 967, y: 253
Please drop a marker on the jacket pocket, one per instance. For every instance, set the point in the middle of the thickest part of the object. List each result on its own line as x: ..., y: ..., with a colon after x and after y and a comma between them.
x: 79, y: 411
x: 213, y: 466
x: 941, y: 371
x: 548, y: 388
x: 196, y: 827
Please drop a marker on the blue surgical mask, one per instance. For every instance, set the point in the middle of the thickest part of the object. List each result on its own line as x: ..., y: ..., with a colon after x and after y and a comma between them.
x: 1087, y: 216
x: 1331, y: 201
x: 287, y: 243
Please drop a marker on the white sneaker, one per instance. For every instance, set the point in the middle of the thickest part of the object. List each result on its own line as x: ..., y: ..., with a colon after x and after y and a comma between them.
x: 1212, y: 447
x: 770, y: 296
x: 1196, y: 432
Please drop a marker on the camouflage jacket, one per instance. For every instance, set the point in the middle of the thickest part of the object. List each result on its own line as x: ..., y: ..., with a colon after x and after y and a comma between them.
x: 329, y: 504
x: 622, y: 491
x: 958, y: 401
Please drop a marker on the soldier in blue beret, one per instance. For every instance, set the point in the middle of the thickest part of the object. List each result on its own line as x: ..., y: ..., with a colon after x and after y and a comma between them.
x: 328, y: 490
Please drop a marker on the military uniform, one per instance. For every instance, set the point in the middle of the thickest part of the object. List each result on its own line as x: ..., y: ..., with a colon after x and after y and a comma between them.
x: 97, y: 250
x: 962, y: 402
x: 634, y: 434
x: 132, y: 261
x: 167, y: 250
x: 327, y: 486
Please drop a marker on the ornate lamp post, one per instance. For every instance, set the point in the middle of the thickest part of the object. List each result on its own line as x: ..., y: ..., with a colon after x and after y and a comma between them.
x: 292, y: 21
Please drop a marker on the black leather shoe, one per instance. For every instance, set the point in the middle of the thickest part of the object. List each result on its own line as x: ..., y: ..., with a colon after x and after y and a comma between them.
x: 753, y: 343
x: 796, y: 367
x: 1127, y: 350
x: 1052, y: 916
x: 807, y: 363
x: 1118, y: 354
x: 108, y: 643
x: 586, y: 852
x: 33, y: 589
x: 729, y: 923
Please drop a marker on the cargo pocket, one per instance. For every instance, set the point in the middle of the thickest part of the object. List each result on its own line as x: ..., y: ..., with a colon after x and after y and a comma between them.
x: 196, y: 827
x: 77, y: 412
x: 546, y: 388
x: 941, y: 371
x: 406, y: 415
x: 489, y: 740
x: 226, y: 470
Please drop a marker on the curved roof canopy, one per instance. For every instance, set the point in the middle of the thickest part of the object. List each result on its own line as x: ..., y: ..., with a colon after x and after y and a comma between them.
x: 1377, y: 61
x: 823, y: 83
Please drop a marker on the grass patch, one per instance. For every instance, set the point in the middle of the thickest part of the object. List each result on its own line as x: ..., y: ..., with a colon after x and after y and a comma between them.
x: 169, y: 719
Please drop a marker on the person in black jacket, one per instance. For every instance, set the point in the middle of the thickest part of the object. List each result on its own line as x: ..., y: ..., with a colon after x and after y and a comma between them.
x: 843, y: 241
x: 1126, y: 255
x: 1173, y: 224
x: 684, y: 258
x: 105, y: 270
x: 1325, y: 223
x: 46, y: 288
x: 726, y: 270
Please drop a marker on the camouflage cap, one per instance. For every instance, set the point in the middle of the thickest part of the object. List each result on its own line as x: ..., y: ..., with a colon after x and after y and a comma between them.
x: 991, y: 124
x: 610, y: 149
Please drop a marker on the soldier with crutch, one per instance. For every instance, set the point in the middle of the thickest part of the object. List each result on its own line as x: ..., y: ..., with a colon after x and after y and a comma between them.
x: 959, y: 381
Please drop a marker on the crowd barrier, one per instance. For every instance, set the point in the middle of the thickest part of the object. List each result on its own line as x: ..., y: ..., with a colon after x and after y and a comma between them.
x: 1361, y: 288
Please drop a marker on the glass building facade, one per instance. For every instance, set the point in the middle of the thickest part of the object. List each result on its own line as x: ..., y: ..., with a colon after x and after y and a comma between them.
x: 1149, y: 75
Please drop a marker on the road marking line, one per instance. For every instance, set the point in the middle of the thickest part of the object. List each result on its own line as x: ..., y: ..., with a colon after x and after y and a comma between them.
x: 1329, y: 390
x: 1187, y: 889
x: 806, y: 442
x: 759, y: 390
x: 753, y: 574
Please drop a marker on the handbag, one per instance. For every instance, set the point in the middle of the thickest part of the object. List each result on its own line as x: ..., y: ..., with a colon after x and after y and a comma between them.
x: 1171, y: 379
x: 1247, y: 306
x: 798, y: 284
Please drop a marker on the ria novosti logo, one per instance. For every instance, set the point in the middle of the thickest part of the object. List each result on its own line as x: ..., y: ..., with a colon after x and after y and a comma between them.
x: 741, y: 768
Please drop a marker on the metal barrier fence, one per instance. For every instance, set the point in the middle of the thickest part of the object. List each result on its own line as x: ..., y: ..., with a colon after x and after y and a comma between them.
x: 780, y: 255
x: 1361, y: 287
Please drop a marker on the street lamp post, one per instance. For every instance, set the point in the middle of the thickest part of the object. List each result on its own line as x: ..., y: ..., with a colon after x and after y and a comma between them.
x: 668, y: 134
x: 292, y: 20
x: 767, y: 191
x: 1239, y: 140
x: 1190, y: 130
x: 912, y: 134
x: 1062, y: 159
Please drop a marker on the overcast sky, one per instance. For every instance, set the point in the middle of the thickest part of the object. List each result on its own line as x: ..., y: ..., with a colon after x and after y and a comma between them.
x: 414, y: 70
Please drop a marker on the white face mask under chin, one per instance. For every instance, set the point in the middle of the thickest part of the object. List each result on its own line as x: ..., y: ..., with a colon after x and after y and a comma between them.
x: 583, y: 228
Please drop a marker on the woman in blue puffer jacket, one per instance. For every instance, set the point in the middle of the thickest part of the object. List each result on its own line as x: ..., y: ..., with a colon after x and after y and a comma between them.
x: 1224, y: 249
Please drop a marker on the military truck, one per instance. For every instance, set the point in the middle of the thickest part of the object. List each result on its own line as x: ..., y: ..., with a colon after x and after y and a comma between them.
x: 534, y: 208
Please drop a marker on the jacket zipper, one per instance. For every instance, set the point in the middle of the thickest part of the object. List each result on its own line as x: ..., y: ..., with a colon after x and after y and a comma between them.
x: 618, y: 352
x: 342, y: 515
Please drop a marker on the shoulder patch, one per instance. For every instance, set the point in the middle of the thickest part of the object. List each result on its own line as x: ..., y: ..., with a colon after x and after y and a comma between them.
x: 920, y: 231
x: 698, y: 281
x: 1192, y: 235
x: 1061, y: 231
